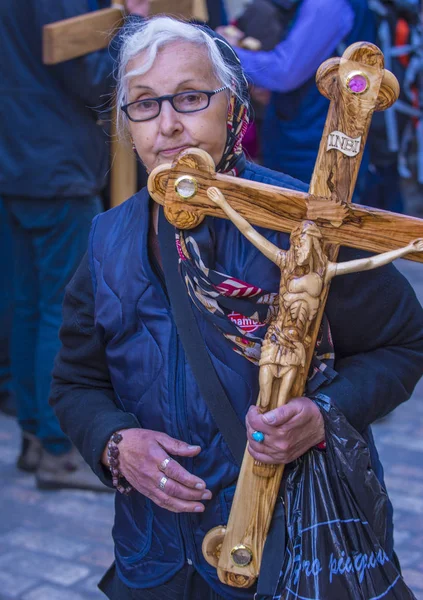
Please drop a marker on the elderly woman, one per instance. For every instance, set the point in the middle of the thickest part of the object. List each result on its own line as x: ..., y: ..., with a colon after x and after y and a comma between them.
x: 122, y: 388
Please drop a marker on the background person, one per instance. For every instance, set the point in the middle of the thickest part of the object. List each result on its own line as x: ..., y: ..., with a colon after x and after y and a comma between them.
x: 54, y: 164
x: 312, y: 31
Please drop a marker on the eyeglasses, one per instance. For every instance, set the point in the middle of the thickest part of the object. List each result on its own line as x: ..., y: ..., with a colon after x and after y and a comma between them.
x: 184, y: 102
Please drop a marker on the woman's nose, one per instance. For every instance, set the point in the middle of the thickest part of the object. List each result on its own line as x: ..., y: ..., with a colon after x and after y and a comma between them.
x: 169, y: 119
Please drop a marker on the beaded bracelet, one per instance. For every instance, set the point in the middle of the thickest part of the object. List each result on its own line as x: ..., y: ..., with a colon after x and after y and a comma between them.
x: 118, y: 480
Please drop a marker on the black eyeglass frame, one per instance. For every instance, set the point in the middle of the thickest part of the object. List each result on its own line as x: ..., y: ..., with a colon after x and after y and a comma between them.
x: 170, y: 98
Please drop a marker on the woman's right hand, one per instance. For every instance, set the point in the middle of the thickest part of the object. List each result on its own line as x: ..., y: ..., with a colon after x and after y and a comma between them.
x: 142, y: 453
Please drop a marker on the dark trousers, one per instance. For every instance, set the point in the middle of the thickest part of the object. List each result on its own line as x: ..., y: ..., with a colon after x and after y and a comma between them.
x: 6, y: 301
x: 50, y: 237
x: 187, y: 584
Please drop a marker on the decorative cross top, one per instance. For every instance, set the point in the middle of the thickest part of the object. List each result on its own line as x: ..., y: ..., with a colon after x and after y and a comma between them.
x: 319, y: 221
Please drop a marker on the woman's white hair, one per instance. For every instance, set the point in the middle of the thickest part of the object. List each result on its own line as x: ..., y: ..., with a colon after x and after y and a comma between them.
x: 155, y: 33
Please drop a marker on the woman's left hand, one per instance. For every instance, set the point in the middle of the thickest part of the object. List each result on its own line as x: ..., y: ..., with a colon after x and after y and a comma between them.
x: 289, y: 431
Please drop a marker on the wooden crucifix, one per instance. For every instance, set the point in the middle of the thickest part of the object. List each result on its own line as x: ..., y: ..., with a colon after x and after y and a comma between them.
x: 77, y: 36
x: 319, y: 221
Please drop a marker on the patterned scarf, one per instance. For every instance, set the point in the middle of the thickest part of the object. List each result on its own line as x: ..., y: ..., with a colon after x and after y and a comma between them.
x: 241, y: 312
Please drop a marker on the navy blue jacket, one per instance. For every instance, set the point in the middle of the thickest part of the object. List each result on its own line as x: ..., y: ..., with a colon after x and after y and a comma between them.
x: 50, y: 142
x: 121, y: 365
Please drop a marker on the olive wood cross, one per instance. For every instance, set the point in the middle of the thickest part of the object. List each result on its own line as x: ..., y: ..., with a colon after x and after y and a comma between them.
x: 80, y: 35
x: 356, y: 85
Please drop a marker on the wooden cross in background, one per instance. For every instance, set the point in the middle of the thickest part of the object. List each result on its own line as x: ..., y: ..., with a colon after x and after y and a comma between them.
x: 77, y: 36
x: 356, y: 85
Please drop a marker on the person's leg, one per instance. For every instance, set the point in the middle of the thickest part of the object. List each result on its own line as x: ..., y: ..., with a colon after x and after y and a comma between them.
x: 196, y: 588
x: 60, y: 241
x: 6, y: 311
x: 187, y: 584
x: 24, y: 331
x: 58, y: 233
x: 23, y: 338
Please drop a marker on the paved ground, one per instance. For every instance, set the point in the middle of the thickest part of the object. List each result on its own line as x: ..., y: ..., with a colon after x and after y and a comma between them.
x: 56, y: 545
x: 53, y: 545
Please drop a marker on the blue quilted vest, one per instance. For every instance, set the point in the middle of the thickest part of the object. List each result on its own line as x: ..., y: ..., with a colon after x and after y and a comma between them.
x: 152, y: 380
x: 295, y: 120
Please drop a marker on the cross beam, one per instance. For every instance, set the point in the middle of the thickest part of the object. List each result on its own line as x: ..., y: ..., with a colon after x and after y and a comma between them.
x: 264, y: 205
x: 80, y: 35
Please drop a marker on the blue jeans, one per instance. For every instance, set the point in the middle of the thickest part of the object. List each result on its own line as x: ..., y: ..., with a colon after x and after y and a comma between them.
x: 50, y: 237
x: 6, y: 301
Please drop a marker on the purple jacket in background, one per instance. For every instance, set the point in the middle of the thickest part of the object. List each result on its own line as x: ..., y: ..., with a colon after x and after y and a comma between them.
x: 319, y: 27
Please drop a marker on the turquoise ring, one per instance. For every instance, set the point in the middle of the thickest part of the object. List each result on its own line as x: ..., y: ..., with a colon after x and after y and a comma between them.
x: 258, y: 436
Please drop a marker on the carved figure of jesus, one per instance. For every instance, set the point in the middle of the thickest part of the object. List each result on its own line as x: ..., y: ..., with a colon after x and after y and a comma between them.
x: 305, y: 273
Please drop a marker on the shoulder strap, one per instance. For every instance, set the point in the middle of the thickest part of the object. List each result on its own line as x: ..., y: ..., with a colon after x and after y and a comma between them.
x: 222, y: 411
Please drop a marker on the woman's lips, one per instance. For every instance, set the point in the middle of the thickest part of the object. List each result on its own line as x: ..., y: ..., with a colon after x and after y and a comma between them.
x: 173, y: 151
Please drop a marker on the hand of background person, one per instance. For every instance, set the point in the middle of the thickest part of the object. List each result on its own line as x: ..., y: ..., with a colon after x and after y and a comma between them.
x: 232, y: 34
x: 289, y: 431
x: 138, y: 7
x: 141, y: 453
